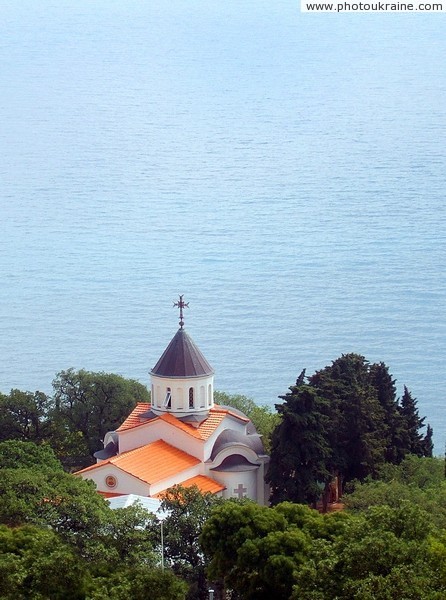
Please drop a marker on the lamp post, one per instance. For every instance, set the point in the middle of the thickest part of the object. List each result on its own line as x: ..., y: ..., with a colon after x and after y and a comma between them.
x: 211, y: 594
x: 162, y: 545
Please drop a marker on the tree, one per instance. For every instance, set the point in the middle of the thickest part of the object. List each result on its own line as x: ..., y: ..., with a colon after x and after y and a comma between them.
x: 35, y: 563
x: 91, y: 404
x: 228, y: 540
x: 395, y: 431
x: 38, y: 493
x: 418, y: 481
x: 358, y: 433
x: 128, y: 535
x: 300, y: 458
x: 345, y: 423
x: 428, y: 443
x: 257, y: 550
x: 24, y: 416
x: 137, y: 583
x: 379, y: 554
x: 31, y: 561
x: 15, y: 454
x: 413, y: 423
x: 187, y: 511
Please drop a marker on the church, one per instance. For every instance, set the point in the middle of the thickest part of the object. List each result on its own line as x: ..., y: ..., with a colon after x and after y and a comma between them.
x: 182, y: 437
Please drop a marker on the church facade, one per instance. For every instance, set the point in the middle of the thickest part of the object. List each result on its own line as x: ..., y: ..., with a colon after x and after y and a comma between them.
x: 182, y: 437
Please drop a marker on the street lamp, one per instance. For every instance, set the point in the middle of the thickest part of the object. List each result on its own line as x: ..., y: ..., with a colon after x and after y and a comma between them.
x: 211, y: 594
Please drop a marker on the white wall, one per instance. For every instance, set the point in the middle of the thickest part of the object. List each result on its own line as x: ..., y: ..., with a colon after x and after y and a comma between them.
x: 203, y: 394
x: 232, y: 480
x: 126, y: 484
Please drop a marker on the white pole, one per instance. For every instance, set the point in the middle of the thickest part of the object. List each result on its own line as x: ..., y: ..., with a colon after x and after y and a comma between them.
x: 162, y: 546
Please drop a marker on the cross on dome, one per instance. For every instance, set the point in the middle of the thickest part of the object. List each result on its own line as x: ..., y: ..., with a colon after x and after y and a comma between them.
x: 181, y: 304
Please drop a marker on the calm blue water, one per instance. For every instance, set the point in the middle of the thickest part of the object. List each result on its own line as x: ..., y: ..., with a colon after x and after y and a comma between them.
x: 285, y: 171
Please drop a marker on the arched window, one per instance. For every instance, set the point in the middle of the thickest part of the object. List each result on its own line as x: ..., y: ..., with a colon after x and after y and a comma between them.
x: 210, y: 395
x: 191, y: 397
x: 202, y: 396
x: 179, y: 399
x: 168, y: 398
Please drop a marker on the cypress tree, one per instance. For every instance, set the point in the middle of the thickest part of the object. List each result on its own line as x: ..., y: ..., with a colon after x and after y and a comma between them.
x: 394, y: 429
x: 300, y: 454
x: 428, y: 443
x: 413, y: 423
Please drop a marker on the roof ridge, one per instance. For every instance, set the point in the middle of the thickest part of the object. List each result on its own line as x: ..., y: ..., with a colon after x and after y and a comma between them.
x: 176, y: 422
x: 228, y: 411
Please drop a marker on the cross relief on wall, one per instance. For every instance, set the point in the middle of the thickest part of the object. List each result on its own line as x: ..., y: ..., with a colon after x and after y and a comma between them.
x: 240, y: 491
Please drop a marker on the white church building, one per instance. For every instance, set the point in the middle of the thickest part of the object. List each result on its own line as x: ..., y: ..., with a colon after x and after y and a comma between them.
x: 182, y: 437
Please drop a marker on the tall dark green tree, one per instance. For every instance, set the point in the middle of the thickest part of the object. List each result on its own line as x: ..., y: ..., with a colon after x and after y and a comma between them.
x: 394, y: 430
x: 301, y: 456
x: 413, y: 423
x: 428, y: 443
x: 346, y: 423
x: 358, y: 430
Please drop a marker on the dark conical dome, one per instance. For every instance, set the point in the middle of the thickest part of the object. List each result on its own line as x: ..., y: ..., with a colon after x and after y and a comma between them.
x: 182, y: 358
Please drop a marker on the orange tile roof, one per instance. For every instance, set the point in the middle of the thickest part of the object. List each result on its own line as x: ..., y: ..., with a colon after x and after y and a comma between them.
x: 151, y: 463
x: 204, y: 484
x: 134, y: 417
x: 189, y: 429
x: 207, y: 428
x: 202, y: 432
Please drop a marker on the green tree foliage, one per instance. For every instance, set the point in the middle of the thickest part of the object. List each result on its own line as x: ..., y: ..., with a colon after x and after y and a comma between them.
x: 127, y: 538
x: 256, y: 550
x: 137, y: 583
x: 291, y: 552
x: 428, y: 442
x: 24, y: 416
x: 262, y: 417
x: 35, y: 563
x: 359, y: 434
x: 345, y: 422
x: 52, y: 518
x: 187, y: 511
x: 34, y: 492
x: 382, y: 554
x: 413, y: 422
x: 301, y: 454
x: 418, y: 481
x: 91, y: 404
x: 394, y: 431
x: 84, y: 406
x: 15, y: 454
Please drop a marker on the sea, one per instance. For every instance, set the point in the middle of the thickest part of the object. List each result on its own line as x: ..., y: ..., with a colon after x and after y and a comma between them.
x: 284, y: 171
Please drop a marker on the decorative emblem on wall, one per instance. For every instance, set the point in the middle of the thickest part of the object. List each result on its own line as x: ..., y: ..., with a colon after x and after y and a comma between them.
x: 111, y: 481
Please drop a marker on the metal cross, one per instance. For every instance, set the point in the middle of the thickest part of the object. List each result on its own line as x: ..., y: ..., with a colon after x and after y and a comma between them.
x: 240, y: 490
x: 181, y: 304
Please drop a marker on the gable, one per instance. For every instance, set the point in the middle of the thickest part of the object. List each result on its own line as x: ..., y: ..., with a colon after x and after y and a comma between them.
x: 152, y: 463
